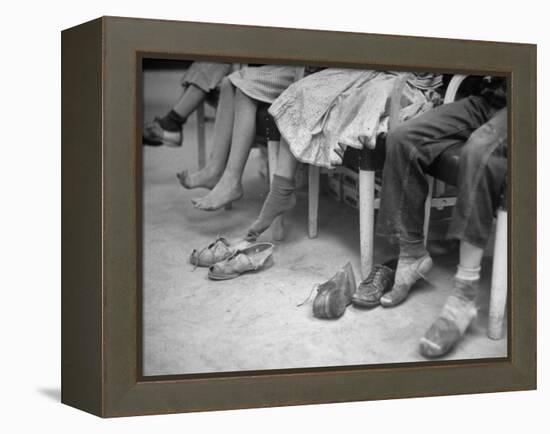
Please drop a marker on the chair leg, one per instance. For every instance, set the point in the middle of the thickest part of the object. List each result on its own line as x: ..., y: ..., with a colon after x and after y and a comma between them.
x: 366, y: 220
x: 272, y: 155
x: 313, y: 200
x: 201, y: 140
x: 428, y: 208
x: 499, y: 282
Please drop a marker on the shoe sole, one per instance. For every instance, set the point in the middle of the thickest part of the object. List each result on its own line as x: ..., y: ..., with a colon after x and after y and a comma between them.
x: 171, y: 144
x: 213, y: 276
x: 160, y: 142
x: 150, y: 142
x: 363, y: 303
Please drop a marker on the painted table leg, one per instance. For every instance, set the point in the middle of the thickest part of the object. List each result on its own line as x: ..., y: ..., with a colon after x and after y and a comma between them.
x: 272, y: 155
x: 313, y: 200
x: 499, y: 283
x: 366, y: 220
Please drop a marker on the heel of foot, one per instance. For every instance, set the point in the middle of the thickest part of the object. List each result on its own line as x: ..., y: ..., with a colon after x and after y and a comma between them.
x: 424, y: 267
x: 185, y: 179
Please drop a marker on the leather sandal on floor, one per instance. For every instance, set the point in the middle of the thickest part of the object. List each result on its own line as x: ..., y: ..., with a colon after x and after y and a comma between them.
x: 215, y: 252
x: 253, y: 258
x: 335, y: 295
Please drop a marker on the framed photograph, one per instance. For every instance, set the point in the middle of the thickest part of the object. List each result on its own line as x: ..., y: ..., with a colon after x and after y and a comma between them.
x: 259, y: 217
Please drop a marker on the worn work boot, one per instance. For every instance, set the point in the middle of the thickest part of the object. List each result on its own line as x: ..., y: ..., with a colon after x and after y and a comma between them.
x: 456, y: 316
x: 378, y: 282
x: 334, y: 295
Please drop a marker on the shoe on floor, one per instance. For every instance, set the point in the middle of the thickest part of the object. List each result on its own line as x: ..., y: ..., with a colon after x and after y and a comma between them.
x: 407, y: 274
x: 334, y: 295
x: 378, y: 282
x: 456, y: 316
x: 215, y: 252
x: 155, y: 135
x: 252, y: 258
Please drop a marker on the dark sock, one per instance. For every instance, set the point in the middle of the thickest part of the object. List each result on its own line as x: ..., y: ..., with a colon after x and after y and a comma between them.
x: 281, y: 198
x: 171, y: 121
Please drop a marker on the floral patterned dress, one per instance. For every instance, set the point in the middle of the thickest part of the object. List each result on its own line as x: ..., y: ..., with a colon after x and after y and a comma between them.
x: 340, y: 106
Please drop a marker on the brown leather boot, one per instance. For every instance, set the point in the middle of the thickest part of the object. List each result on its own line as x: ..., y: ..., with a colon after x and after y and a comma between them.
x: 378, y: 282
x: 335, y: 295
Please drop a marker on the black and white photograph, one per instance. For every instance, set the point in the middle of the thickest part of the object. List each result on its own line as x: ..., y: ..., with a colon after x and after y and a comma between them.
x: 298, y: 217
x: 275, y: 218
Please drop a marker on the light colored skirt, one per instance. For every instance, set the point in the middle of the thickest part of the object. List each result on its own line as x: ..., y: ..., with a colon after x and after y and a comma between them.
x: 205, y: 75
x: 264, y: 83
x: 338, y: 106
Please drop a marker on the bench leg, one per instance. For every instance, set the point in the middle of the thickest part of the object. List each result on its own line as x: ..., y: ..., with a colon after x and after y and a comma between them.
x: 313, y: 200
x: 201, y: 139
x: 366, y: 220
x: 272, y: 156
x: 499, y: 281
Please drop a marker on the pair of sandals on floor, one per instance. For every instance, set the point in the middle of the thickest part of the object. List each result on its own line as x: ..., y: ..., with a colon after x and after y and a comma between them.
x: 227, y: 259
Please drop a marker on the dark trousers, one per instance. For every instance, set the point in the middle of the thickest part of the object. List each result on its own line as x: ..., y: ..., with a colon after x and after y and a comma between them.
x: 471, y: 124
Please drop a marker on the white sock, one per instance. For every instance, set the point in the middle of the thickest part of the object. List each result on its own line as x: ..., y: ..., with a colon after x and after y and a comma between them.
x: 468, y: 274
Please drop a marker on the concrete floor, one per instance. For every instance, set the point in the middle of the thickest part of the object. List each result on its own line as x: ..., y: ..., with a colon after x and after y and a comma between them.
x: 194, y: 325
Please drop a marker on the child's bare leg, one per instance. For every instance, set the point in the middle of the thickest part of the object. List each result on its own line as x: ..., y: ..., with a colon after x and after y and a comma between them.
x: 189, y: 100
x: 229, y: 187
x: 459, y: 309
x: 223, y: 128
x: 281, y: 197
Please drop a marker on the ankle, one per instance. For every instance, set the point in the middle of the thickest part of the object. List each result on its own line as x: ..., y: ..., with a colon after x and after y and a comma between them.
x: 231, y: 177
x: 465, y: 289
x: 467, y: 273
x: 213, y: 170
x: 172, y: 121
x: 412, y: 249
x: 284, y: 186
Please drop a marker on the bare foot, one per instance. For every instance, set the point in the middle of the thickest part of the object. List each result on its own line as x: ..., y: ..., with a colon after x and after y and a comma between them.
x: 221, y: 195
x: 205, y: 178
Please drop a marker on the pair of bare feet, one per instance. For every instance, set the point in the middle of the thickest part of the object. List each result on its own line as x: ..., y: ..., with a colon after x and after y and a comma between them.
x: 224, y: 190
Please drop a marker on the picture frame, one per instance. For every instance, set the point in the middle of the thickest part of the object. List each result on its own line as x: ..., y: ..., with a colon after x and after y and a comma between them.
x: 101, y: 232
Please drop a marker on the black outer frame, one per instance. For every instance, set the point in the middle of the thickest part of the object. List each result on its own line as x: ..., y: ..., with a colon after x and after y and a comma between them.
x: 101, y: 261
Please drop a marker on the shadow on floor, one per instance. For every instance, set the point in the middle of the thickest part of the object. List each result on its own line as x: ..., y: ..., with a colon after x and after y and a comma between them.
x: 53, y: 394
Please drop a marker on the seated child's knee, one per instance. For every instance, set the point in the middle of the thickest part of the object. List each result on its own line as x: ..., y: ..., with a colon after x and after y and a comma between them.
x: 226, y: 83
x: 481, y: 138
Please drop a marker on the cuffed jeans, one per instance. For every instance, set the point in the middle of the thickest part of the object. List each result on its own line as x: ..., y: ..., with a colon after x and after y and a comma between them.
x: 471, y: 124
